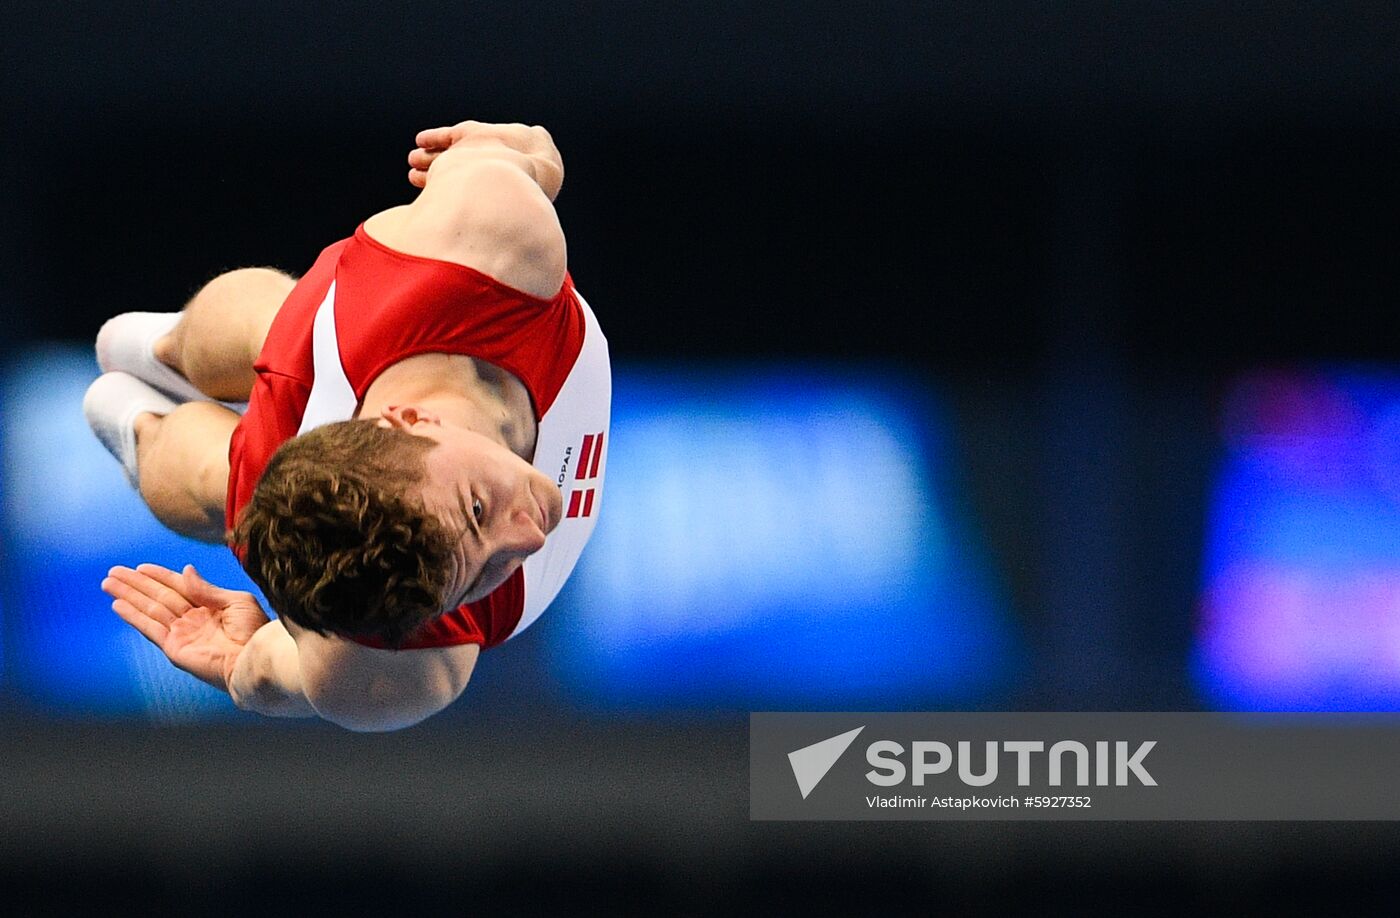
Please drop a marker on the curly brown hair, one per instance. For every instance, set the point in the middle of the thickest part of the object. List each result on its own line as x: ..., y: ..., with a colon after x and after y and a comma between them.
x: 337, y: 536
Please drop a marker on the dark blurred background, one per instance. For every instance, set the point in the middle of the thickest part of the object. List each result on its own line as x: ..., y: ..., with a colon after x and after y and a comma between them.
x: 1081, y: 224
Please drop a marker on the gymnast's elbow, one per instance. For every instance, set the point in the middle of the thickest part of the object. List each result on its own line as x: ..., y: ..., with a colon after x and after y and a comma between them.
x: 372, y: 690
x: 382, y: 702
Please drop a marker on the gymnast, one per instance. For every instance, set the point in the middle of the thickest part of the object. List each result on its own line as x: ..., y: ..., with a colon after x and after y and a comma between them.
x: 405, y: 448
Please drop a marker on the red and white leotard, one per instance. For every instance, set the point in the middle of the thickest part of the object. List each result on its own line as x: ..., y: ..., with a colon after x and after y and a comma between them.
x: 364, y: 307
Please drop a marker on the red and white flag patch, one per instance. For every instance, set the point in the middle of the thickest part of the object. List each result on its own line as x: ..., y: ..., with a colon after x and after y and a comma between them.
x: 589, y: 461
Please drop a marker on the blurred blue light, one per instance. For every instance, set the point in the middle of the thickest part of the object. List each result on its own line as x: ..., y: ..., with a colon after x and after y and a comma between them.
x: 780, y: 537
x: 770, y: 537
x: 68, y: 515
x: 1301, y: 606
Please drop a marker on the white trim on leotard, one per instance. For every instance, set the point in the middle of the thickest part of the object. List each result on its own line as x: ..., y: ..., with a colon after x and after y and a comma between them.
x: 332, y: 397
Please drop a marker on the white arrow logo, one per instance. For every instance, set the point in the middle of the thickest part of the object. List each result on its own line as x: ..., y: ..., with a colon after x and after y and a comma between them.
x: 811, y: 763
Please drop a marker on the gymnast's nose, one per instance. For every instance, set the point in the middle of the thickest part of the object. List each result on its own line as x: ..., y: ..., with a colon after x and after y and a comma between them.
x: 522, y: 535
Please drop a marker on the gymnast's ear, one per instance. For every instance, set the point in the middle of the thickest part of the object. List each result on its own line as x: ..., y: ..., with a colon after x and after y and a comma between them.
x: 404, y: 417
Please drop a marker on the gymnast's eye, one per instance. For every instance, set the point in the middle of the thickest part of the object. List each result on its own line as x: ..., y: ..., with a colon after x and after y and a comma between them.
x: 476, y: 509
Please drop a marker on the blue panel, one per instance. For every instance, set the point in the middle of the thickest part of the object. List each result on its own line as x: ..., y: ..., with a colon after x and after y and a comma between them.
x: 1301, y: 602
x: 780, y: 537
x: 68, y: 515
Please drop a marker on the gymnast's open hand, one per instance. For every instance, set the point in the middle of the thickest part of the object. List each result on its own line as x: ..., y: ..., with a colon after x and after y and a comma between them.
x: 200, y: 627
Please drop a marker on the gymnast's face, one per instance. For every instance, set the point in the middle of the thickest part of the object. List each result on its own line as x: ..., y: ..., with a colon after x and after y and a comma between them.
x: 499, y: 505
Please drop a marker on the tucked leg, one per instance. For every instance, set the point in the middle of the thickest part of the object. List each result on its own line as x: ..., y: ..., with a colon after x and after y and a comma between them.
x: 182, y: 460
x: 222, y: 329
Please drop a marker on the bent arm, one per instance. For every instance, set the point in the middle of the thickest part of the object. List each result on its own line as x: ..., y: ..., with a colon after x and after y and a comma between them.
x: 267, y: 675
x: 487, y: 203
x: 371, y: 690
x: 531, y: 148
x: 356, y: 687
x: 223, y: 637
